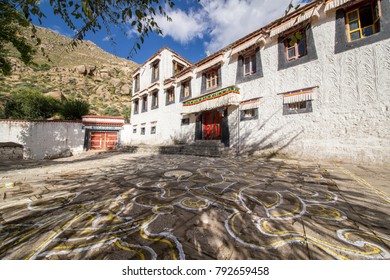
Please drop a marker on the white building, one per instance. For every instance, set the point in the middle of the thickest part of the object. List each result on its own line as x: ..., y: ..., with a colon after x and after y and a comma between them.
x: 322, y: 93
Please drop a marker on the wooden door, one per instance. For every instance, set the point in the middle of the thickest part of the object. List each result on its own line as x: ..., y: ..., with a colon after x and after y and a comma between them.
x: 212, y: 125
x: 101, y: 140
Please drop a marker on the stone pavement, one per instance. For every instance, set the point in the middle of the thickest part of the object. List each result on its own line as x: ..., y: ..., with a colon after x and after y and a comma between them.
x: 134, y: 206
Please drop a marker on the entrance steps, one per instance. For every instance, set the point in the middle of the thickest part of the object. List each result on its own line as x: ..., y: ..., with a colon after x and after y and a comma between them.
x: 209, y: 148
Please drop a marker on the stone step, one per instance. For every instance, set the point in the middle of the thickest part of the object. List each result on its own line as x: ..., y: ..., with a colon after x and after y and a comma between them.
x: 216, y: 149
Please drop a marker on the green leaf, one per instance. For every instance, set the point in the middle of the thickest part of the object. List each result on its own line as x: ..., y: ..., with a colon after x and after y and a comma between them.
x: 298, y: 35
x: 139, y: 14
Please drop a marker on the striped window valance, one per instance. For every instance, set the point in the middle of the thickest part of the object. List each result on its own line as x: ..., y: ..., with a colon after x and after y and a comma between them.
x: 298, y: 95
x: 258, y: 40
x: 331, y: 4
x: 250, y: 104
x: 224, y: 97
x: 215, y: 61
x: 313, y: 12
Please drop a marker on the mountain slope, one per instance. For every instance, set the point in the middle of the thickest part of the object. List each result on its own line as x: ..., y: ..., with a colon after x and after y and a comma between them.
x: 85, y: 72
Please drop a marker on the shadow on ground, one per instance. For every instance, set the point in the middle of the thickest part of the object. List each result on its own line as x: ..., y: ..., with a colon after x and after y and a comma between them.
x: 183, y: 207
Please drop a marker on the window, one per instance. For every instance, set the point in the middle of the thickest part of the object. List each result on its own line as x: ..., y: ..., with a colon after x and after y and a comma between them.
x: 134, y: 130
x: 185, y: 121
x: 144, y: 103
x: 249, y: 114
x: 136, y: 106
x: 153, y: 130
x: 155, y: 100
x: 185, y: 90
x: 363, y: 21
x: 155, y: 71
x: 142, y: 130
x: 249, y: 64
x: 297, y: 105
x: 170, y: 95
x: 177, y: 67
x: 295, y: 45
x: 136, y: 83
x: 211, y: 79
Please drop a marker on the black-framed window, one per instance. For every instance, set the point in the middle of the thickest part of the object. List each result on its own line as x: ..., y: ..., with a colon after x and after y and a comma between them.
x: 362, y: 24
x: 296, y: 47
x: 177, y: 67
x: 154, y: 100
x: 144, y: 103
x: 185, y: 121
x: 134, y: 130
x: 249, y: 114
x: 211, y: 79
x: 362, y: 21
x: 137, y: 83
x: 170, y: 96
x: 299, y: 107
x: 136, y: 106
x: 155, y: 71
x: 185, y: 90
x: 143, y: 130
x: 249, y: 66
x: 153, y: 130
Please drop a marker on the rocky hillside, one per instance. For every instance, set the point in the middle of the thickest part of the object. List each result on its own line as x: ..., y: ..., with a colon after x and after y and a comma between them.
x: 85, y: 72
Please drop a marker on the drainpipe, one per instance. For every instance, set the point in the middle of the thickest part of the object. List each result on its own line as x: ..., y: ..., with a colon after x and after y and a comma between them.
x: 238, y: 131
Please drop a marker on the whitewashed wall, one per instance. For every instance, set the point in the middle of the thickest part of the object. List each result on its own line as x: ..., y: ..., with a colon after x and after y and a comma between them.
x: 167, y: 119
x: 350, y: 119
x: 47, y: 139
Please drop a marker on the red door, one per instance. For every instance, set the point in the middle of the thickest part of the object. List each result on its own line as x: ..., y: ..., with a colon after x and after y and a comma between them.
x: 212, y: 125
x: 101, y: 140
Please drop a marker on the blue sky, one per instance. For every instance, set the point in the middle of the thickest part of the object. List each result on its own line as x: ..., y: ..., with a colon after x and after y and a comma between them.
x: 198, y: 28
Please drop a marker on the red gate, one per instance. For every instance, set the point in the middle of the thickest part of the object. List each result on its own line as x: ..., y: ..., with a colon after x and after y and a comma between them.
x: 101, y: 140
x: 212, y: 125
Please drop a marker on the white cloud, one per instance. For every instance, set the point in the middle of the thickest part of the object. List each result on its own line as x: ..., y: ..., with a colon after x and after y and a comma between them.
x: 230, y: 20
x: 224, y: 21
x: 185, y: 26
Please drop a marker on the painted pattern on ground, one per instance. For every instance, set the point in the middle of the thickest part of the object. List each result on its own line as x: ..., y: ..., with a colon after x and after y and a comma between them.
x: 180, y: 207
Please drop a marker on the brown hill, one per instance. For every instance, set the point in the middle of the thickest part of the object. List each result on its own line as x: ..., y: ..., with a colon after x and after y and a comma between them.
x: 85, y: 72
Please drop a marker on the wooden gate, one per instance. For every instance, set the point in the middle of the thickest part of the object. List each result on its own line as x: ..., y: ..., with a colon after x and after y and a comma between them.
x: 102, y: 140
x: 212, y: 125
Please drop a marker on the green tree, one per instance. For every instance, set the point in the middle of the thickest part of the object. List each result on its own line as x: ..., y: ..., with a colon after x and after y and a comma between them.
x: 74, y: 109
x: 11, y: 22
x: 30, y: 104
x: 83, y: 16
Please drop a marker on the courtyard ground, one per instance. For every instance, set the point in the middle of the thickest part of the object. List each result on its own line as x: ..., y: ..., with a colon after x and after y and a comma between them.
x: 139, y: 206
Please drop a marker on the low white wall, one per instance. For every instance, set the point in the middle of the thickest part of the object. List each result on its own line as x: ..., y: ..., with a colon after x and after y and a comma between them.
x: 44, y: 139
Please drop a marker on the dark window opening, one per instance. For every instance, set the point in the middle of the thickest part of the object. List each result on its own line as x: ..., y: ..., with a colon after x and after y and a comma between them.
x: 185, y: 121
x: 154, y: 100
x: 144, y: 103
x: 136, y: 106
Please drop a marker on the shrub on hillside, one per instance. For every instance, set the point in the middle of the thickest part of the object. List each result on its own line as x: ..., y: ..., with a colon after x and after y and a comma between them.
x: 30, y: 104
x: 74, y: 109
